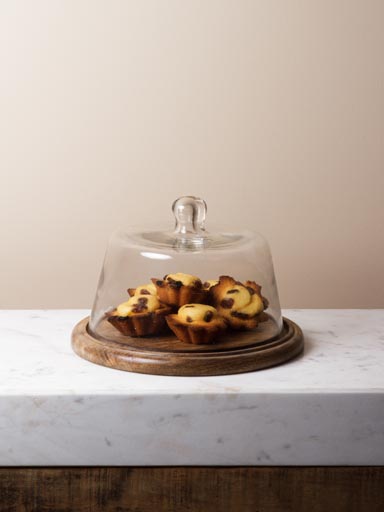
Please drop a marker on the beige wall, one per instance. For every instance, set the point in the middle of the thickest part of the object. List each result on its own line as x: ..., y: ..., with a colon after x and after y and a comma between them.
x: 273, y: 111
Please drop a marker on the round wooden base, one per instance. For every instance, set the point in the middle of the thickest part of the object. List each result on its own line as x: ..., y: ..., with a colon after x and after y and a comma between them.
x: 165, y: 355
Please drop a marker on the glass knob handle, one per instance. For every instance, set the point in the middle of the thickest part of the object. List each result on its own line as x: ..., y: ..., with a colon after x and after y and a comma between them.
x: 190, y: 213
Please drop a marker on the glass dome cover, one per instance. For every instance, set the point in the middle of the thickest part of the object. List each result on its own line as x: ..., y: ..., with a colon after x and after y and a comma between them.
x: 134, y: 258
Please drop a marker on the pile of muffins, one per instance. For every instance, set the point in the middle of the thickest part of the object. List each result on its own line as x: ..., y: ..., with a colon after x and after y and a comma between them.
x: 196, y: 312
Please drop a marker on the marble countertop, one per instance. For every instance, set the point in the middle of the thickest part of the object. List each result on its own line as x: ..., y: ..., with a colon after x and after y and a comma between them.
x: 324, y: 408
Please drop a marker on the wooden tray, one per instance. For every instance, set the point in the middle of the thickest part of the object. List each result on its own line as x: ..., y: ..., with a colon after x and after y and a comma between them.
x: 165, y: 355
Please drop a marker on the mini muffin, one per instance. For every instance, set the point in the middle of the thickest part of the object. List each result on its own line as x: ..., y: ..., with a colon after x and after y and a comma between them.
x: 256, y: 288
x: 197, y: 323
x: 179, y: 289
x: 141, y: 315
x: 145, y: 289
x: 241, y: 305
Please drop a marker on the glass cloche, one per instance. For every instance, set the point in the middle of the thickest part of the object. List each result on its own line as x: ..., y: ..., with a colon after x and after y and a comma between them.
x: 187, y: 282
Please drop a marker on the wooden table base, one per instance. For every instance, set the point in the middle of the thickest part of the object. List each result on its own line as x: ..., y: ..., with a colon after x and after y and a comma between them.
x: 192, y: 489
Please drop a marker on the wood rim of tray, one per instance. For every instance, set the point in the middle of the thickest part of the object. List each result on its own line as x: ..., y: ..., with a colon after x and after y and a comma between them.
x: 198, y: 362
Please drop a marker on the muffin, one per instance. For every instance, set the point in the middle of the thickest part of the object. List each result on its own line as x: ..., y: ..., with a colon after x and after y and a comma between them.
x: 197, y: 324
x: 179, y: 289
x: 241, y: 305
x: 145, y: 289
x: 256, y: 288
x: 141, y: 315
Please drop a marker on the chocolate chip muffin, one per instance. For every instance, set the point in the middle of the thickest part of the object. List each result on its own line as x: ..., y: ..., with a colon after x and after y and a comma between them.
x: 179, y: 289
x: 141, y: 315
x: 241, y: 305
x: 197, y: 323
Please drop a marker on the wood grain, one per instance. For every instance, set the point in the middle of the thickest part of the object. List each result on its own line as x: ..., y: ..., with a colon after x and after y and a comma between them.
x: 265, y: 332
x: 192, y: 489
x: 242, y: 351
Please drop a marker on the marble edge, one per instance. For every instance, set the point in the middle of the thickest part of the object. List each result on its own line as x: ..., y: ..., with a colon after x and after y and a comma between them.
x: 187, y: 394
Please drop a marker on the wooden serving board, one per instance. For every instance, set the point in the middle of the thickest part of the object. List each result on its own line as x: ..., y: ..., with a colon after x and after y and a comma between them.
x: 236, y: 352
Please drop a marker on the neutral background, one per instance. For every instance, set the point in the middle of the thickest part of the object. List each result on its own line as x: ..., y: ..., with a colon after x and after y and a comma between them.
x: 273, y: 111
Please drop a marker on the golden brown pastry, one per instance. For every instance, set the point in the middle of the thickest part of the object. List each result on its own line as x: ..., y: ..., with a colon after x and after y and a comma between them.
x: 197, y: 323
x: 141, y: 315
x: 179, y: 289
x: 241, y: 305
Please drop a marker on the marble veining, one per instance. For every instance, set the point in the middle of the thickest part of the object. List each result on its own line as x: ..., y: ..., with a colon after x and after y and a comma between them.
x: 325, y: 407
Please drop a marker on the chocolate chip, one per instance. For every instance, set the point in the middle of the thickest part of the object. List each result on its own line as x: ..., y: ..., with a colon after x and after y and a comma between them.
x: 236, y: 314
x: 206, y: 284
x: 233, y: 291
x: 174, y: 284
x: 139, y: 308
x: 227, y: 303
x: 189, y: 319
x: 251, y: 290
x: 208, y: 316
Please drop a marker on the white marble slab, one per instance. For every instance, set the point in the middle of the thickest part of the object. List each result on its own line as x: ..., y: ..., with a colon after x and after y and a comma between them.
x: 324, y: 408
